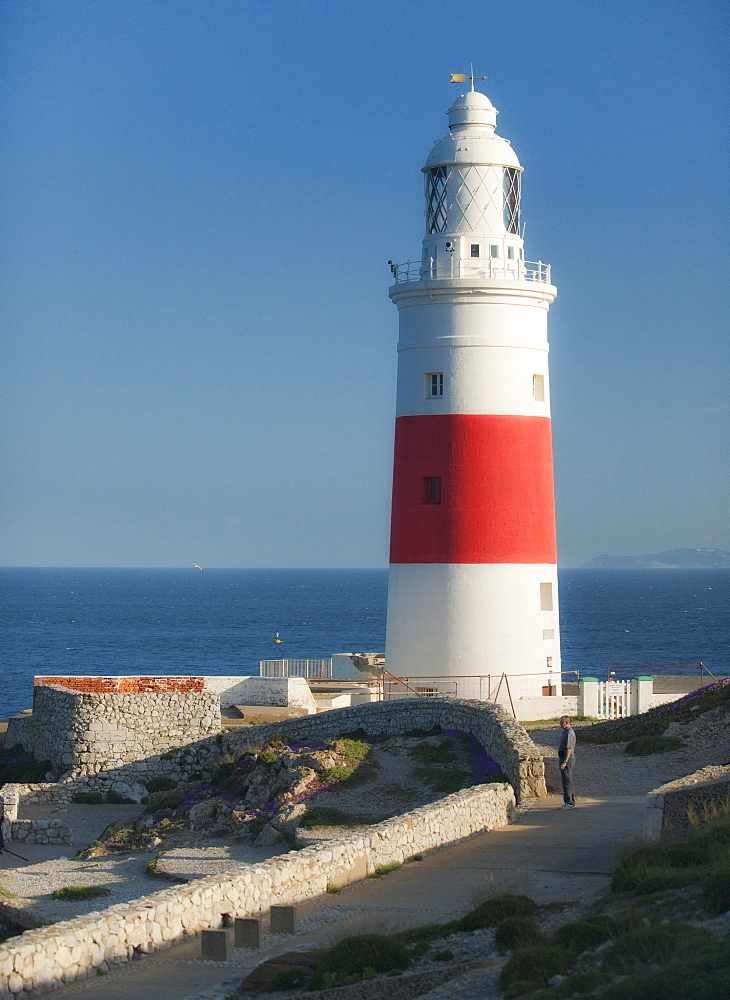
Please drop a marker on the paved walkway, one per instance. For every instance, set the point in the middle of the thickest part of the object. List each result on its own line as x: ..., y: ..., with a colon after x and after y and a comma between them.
x: 549, y: 854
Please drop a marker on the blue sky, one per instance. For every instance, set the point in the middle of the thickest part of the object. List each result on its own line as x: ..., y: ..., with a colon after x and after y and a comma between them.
x: 199, y: 203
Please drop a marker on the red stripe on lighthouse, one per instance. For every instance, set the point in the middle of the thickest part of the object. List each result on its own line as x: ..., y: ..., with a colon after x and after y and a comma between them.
x: 496, y: 490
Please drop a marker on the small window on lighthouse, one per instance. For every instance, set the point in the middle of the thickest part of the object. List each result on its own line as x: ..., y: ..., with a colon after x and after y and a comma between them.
x: 432, y: 489
x: 434, y: 384
x: 546, y: 597
x: 511, y: 185
x: 436, y: 200
x: 494, y: 250
x: 510, y: 253
x: 538, y: 388
x: 475, y: 249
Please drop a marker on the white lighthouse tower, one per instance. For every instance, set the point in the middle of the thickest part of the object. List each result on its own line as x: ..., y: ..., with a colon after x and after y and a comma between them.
x: 473, y: 590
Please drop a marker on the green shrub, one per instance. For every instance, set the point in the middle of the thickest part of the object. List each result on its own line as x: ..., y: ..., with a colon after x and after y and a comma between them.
x: 159, y: 784
x: 516, y: 932
x: 535, y: 965
x: 519, y: 988
x: 115, y: 799
x: 88, y: 798
x: 381, y: 870
x: 493, y: 911
x: 354, y: 955
x: 170, y: 801
x: 587, y: 933
x: 73, y: 892
x: 290, y: 979
x: 705, y: 976
x: 18, y: 765
x: 352, y: 750
x: 644, y: 746
x: 445, y: 955
x: 716, y: 890
x: 648, y: 946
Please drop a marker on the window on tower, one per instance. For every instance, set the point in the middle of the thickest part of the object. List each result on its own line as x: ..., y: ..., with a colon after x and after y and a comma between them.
x: 511, y: 186
x: 546, y: 597
x: 494, y: 250
x: 434, y: 385
x: 436, y: 200
x: 432, y: 489
x: 475, y: 249
x: 538, y: 388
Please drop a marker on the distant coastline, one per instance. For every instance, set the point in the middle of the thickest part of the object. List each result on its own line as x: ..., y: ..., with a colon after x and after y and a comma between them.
x: 672, y: 559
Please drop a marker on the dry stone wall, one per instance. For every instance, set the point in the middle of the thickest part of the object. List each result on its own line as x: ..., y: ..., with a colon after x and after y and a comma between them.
x: 74, y: 948
x: 673, y: 808
x: 83, y: 732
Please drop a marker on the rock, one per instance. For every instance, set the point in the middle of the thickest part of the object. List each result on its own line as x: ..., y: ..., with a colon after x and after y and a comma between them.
x: 269, y: 837
x: 289, y: 819
x: 204, y: 814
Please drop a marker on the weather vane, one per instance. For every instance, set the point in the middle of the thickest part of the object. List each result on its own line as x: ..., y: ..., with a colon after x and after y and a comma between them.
x: 463, y: 77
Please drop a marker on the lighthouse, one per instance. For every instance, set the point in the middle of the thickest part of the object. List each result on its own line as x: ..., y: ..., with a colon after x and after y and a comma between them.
x: 472, y: 588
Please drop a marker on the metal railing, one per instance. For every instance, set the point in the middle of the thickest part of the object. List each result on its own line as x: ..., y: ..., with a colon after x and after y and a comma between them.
x: 483, y: 687
x: 457, y: 267
x: 313, y: 669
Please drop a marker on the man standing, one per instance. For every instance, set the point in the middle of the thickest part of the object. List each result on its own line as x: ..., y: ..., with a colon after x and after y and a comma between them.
x: 566, y: 756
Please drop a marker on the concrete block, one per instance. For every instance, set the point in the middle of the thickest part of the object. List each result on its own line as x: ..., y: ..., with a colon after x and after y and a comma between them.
x: 214, y: 946
x: 283, y: 919
x: 247, y: 932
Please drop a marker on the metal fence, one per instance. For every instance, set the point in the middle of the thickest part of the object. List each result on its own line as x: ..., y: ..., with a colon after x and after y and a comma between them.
x: 320, y: 670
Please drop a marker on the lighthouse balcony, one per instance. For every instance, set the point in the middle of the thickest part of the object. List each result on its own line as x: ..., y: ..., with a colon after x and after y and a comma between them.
x: 456, y: 267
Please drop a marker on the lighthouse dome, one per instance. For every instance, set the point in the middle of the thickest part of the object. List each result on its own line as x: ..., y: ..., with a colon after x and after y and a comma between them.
x: 472, y: 137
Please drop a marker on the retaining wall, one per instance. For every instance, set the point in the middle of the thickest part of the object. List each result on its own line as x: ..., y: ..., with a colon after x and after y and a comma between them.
x: 74, y: 948
x: 674, y: 809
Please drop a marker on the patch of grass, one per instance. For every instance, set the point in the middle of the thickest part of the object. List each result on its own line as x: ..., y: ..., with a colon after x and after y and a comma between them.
x: 716, y: 890
x: 88, y: 798
x: 332, y: 888
x: 535, y: 966
x: 353, y: 751
x: 354, y: 957
x: 443, y: 779
x: 496, y: 909
x: 704, y: 976
x: 656, y: 867
x: 422, y: 733
x: 655, y: 721
x: 381, y: 870
x: 153, y: 870
x: 590, y: 932
x: 69, y: 893
x: 18, y: 766
x: 329, y: 816
x: 644, y: 746
x: 425, y: 753
x: 516, y: 932
x: 645, y: 947
x: 115, y: 799
x: 445, y: 955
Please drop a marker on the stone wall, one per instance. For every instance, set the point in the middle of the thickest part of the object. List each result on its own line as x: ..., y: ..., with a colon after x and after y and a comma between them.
x: 74, y: 948
x: 85, y: 731
x: 674, y: 809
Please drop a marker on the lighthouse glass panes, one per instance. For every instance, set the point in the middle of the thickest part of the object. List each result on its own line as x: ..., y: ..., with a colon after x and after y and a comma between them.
x: 512, y: 200
x: 436, y: 200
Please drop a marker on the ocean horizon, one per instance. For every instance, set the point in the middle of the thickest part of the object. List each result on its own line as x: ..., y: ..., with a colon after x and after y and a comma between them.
x: 59, y: 620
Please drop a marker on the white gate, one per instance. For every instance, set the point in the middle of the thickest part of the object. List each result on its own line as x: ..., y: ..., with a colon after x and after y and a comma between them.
x: 614, y: 699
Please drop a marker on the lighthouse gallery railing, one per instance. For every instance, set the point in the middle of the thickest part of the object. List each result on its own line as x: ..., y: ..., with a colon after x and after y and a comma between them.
x: 456, y: 267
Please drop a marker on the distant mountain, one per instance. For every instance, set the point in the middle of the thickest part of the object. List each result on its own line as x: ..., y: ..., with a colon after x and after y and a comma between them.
x: 674, y: 559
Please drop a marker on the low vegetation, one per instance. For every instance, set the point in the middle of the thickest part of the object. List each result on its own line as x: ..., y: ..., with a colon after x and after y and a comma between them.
x: 655, y: 721
x: 18, y: 766
x: 71, y: 893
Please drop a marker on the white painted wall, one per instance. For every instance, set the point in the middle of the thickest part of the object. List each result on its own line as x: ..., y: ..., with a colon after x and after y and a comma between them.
x: 476, y: 619
x: 289, y: 692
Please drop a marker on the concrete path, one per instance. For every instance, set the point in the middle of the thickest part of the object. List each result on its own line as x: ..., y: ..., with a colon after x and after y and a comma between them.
x: 550, y: 854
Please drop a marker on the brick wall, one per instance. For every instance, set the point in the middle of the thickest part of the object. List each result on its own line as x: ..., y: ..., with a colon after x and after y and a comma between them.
x: 124, y: 685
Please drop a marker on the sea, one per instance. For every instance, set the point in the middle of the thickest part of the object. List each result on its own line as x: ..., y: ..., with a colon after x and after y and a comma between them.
x: 224, y: 621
